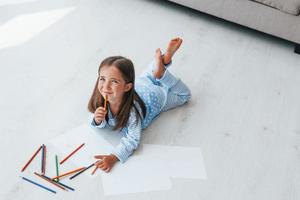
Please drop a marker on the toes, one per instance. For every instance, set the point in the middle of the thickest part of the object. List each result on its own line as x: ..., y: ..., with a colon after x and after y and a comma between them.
x: 179, y: 40
x: 176, y: 39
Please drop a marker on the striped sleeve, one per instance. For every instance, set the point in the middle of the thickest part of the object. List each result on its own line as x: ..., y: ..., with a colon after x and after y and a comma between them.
x: 131, y: 139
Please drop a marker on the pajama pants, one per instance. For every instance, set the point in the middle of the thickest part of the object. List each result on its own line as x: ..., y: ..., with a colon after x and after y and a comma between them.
x: 176, y: 92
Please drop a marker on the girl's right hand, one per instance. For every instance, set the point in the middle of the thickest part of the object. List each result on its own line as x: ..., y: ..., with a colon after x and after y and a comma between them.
x: 99, y: 115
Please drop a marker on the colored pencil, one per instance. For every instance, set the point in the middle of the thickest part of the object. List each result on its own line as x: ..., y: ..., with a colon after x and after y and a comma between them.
x: 66, y: 158
x: 56, y: 163
x: 45, y: 156
x: 94, y: 170
x: 43, y: 167
x: 68, y: 173
x: 105, y: 101
x: 42, y: 160
x: 37, y: 184
x: 50, y: 181
x: 82, y: 171
x: 65, y: 185
x: 32, y: 157
x: 58, y: 182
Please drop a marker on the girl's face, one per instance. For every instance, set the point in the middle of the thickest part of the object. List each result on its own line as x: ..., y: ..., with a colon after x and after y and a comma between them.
x: 112, y: 84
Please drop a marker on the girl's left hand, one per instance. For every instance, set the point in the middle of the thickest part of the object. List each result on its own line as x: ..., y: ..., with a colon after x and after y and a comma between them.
x: 107, y: 162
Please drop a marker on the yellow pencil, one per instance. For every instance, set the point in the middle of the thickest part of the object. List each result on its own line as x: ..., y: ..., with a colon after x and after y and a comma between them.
x: 105, y: 101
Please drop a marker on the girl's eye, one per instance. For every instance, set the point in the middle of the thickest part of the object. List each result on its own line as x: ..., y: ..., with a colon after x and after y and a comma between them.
x: 114, y: 81
x: 101, y: 79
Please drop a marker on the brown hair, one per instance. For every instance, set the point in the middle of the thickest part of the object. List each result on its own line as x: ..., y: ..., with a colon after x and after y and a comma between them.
x: 125, y: 66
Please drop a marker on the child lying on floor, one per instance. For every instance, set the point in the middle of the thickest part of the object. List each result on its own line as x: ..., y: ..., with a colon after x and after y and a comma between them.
x: 133, y: 104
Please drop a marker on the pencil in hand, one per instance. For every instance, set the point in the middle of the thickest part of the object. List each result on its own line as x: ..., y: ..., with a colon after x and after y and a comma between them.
x: 105, y: 101
x: 95, y: 170
x: 78, y: 173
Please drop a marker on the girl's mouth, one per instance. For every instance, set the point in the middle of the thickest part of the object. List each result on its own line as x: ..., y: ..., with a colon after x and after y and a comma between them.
x: 106, y: 93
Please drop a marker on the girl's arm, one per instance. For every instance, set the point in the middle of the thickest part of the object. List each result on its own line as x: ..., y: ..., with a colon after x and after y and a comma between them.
x: 131, y: 140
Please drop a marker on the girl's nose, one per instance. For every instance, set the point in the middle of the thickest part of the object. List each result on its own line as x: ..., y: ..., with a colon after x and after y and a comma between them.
x: 106, y: 85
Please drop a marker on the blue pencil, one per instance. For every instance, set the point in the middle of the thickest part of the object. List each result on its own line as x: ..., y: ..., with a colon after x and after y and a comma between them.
x: 64, y: 185
x: 82, y: 171
x: 37, y: 184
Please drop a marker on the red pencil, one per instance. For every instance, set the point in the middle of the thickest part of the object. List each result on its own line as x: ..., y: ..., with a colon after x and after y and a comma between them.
x: 61, y: 162
x: 26, y: 165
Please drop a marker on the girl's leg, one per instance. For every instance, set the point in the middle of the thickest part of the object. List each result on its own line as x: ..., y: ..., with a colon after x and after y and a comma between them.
x: 148, y: 73
x: 157, y: 73
x: 177, y: 92
x: 161, y: 62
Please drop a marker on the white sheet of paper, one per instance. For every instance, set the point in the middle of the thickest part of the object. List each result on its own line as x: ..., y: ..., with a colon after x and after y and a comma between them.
x: 179, y: 162
x: 150, y: 170
x: 94, y: 144
x: 134, y: 176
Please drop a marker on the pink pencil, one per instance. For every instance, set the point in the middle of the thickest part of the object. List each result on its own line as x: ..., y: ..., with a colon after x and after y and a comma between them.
x: 95, y: 169
x: 66, y: 158
x: 26, y: 165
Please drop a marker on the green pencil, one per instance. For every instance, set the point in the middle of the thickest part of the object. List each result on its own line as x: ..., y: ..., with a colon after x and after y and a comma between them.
x: 57, y: 172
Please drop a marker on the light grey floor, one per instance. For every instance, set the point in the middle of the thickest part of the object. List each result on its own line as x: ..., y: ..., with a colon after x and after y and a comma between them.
x: 244, y: 113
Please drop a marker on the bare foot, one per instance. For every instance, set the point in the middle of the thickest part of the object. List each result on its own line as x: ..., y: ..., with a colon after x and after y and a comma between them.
x: 159, y: 71
x: 173, y: 46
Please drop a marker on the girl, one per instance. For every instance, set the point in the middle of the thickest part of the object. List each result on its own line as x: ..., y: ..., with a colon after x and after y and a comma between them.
x: 134, y: 104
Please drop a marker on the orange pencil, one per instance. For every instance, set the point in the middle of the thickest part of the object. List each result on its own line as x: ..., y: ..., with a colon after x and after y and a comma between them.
x: 94, y: 170
x: 66, y: 158
x: 105, y: 101
x: 26, y: 165
x: 50, y: 181
x: 68, y: 173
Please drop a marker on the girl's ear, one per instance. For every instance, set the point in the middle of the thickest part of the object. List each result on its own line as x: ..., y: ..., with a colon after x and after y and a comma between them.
x: 128, y: 87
